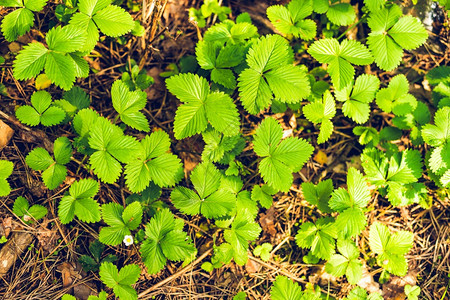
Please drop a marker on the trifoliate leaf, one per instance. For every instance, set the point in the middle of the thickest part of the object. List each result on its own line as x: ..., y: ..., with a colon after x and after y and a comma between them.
x: 346, y: 263
x: 120, y: 221
x: 320, y: 112
x: 391, y: 248
x: 111, y: 148
x: 318, y: 194
x: 79, y: 201
x: 320, y: 237
x: 264, y: 195
x: 165, y: 240
x: 129, y: 105
x: 357, y: 98
x: 280, y: 158
x: 340, y: 58
x: 290, y: 19
x: 153, y: 163
x: 40, y: 111
x: 121, y: 282
x: 209, y: 199
x: 391, y: 33
x: 242, y: 231
x: 271, y: 75
x: 201, y: 106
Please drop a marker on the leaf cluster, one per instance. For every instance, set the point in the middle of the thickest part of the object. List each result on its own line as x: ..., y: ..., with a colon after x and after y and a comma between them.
x: 54, y: 170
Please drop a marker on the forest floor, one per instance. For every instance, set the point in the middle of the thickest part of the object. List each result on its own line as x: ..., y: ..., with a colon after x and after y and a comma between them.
x: 48, y: 267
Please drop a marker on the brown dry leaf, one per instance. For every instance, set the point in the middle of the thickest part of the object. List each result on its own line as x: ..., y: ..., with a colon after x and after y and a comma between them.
x: 12, y: 249
x: 368, y: 283
x: 66, y: 270
x: 252, y: 266
x: 267, y: 222
x: 395, y: 287
x: 14, y: 47
x: 47, y: 238
x: 6, y: 226
x: 6, y: 134
x: 320, y: 157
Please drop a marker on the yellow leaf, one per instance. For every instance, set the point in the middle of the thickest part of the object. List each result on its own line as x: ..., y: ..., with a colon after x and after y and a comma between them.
x: 320, y: 157
x: 42, y: 82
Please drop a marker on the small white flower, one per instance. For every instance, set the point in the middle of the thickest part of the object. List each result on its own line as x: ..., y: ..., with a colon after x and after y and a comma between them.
x: 26, y: 218
x: 128, y: 240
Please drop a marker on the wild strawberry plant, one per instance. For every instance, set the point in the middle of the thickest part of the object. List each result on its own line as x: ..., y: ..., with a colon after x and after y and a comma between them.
x: 237, y: 67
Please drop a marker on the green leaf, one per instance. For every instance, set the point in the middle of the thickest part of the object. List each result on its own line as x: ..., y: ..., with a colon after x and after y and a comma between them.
x: 41, y: 112
x: 60, y: 69
x: 132, y: 215
x: 201, y: 106
x: 342, y: 14
x: 153, y: 163
x: 224, y: 77
x: 391, y: 248
x: 271, y: 72
x: 112, y: 147
x: 319, y: 237
x: 176, y: 246
x: 62, y: 149
x: 284, y: 288
x: 35, y: 5
x: 30, y: 61
x: 321, y: 112
x: 210, y: 201
x: 65, y: 39
x: 412, y: 292
x: 290, y: 20
x: 17, y: 23
x: 263, y: 194
x: 438, y: 134
x: 28, y: 115
x: 243, y: 229
x: 346, y: 263
x: 164, y: 237
x: 113, y: 21
x: 39, y: 159
x: 121, y: 282
x: 21, y: 206
x: 318, y: 194
x: 339, y: 58
x: 90, y: 7
x: 129, y: 104
x: 391, y: 33
x: 409, y: 33
x: 288, y: 84
x: 222, y: 113
x: 54, y: 176
x: 83, y: 21
x: 356, y: 100
x: 280, y: 158
x: 80, y: 202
